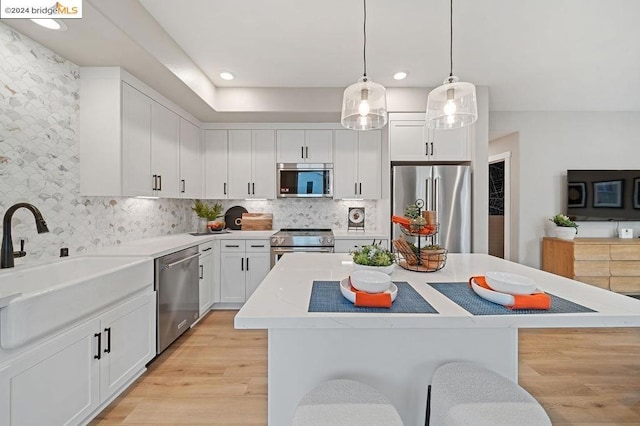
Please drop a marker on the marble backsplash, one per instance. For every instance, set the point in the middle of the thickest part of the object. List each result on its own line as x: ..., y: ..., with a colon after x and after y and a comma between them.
x: 39, y: 164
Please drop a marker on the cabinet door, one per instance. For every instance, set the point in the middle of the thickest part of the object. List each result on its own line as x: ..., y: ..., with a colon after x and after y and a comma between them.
x: 450, y: 145
x: 369, y: 152
x: 191, y: 164
x: 56, y: 384
x: 206, y: 283
x: 408, y: 141
x: 165, y: 150
x: 136, y: 143
x: 232, y: 277
x: 290, y: 146
x: 345, y: 172
x: 128, y: 342
x: 240, y: 155
x: 318, y: 146
x: 215, y: 166
x: 257, y: 267
x: 263, y: 184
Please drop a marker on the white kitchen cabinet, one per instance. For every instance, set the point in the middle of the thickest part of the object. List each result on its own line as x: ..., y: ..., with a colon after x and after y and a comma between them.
x: 65, y: 379
x: 206, y: 272
x: 191, y: 160
x: 357, y: 164
x: 251, y: 164
x: 165, y: 150
x: 347, y: 245
x: 410, y: 140
x: 304, y: 146
x: 243, y: 266
x: 215, y: 167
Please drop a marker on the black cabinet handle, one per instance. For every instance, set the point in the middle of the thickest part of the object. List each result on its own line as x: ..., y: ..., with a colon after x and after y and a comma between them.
x: 253, y: 188
x: 184, y: 186
x: 302, y: 152
x: 242, y: 264
x: 431, y: 148
x: 355, y: 188
x: 108, y: 333
x: 248, y: 188
x: 306, y: 148
x: 207, y: 249
x: 247, y: 263
x: 360, y: 190
x: 201, y: 271
x: 231, y: 245
x: 426, y: 148
x: 99, y: 337
x: 155, y: 183
x: 257, y: 245
x: 225, y: 188
x: 159, y: 182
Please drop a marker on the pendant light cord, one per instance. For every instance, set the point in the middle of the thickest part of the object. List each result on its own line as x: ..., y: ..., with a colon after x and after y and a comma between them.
x: 451, y: 38
x: 364, y: 46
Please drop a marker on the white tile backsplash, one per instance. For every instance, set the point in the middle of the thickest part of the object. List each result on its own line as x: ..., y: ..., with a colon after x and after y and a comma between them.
x: 39, y: 164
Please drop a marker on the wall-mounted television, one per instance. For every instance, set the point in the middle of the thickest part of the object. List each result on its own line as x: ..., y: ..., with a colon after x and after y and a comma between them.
x: 603, y: 194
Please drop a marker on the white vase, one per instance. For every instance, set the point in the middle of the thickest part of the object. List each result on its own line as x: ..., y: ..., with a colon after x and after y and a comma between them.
x: 384, y: 269
x: 566, y: 232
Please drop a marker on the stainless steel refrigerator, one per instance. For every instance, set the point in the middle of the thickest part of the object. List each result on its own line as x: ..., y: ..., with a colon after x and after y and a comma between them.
x: 443, y: 188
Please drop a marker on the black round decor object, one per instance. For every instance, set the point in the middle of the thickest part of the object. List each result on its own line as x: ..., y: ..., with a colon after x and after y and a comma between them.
x: 233, y: 217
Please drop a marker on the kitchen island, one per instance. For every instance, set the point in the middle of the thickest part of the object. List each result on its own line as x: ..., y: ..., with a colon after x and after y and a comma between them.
x: 397, y: 353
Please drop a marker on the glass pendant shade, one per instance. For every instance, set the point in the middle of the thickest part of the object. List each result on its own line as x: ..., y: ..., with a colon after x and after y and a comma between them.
x: 364, y: 106
x: 452, y: 105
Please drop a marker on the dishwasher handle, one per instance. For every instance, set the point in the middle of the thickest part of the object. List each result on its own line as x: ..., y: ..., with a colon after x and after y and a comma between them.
x: 171, y: 265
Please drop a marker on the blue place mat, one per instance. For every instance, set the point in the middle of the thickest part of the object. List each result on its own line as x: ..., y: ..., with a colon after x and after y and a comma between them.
x: 463, y: 295
x: 326, y: 297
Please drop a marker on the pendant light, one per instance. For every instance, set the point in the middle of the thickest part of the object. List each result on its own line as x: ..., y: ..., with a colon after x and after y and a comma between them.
x: 453, y: 104
x: 364, y: 104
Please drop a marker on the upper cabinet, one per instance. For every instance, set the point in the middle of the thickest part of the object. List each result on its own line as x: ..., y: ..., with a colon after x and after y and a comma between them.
x: 357, y: 164
x: 132, y: 142
x: 216, y: 151
x: 251, y: 163
x: 191, y: 160
x: 304, y: 146
x: 410, y: 140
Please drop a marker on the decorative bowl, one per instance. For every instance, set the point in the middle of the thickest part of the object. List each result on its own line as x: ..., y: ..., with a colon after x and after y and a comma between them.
x: 370, y: 281
x: 506, y: 282
x: 384, y: 269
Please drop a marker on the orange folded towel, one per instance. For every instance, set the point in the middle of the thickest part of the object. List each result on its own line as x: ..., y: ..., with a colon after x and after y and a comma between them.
x: 371, y: 300
x: 538, y: 300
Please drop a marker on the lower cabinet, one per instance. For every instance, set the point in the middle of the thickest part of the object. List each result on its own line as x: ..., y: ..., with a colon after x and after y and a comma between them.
x: 64, y: 380
x: 346, y: 245
x: 206, y: 264
x: 243, y: 266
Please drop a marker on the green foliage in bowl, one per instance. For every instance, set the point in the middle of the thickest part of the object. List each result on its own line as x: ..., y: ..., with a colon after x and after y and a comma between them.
x: 562, y: 220
x: 373, y: 255
x: 207, y: 211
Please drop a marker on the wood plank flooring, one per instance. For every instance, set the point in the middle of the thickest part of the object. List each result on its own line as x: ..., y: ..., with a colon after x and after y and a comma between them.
x: 216, y: 375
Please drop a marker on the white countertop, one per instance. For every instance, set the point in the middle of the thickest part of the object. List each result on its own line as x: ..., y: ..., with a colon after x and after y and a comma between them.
x: 282, y: 299
x: 159, y: 246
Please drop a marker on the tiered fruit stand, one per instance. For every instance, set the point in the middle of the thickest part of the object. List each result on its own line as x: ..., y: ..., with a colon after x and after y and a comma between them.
x: 419, y: 258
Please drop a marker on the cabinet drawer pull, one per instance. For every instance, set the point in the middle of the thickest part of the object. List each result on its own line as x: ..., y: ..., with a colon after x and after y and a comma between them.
x: 426, y: 148
x: 253, y: 188
x: 224, y: 188
x: 159, y: 182
x: 431, y: 148
x: 155, y: 183
x: 231, y: 245
x: 248, y: 188
x: 257, y: 245
x: 184, y: 186
x: 207, y: 249
x: 302, y: 152
x: 247, y: 263
x: 355, y: 188
x: 306, y: 148
x: 242, y: 264
x: 360, y: 188
x: 108, y: 333
x: 99, y: 337
x: 201, y: 271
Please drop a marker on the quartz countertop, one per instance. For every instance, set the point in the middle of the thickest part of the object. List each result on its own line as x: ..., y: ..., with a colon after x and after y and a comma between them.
x: 159, y: 246
x: 282, y: 299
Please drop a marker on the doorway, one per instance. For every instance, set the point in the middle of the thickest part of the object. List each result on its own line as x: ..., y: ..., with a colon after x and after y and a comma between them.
x: 499, y: 205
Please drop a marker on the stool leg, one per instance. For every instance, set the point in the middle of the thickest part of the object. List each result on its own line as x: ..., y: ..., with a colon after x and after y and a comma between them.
x: 428, y: 413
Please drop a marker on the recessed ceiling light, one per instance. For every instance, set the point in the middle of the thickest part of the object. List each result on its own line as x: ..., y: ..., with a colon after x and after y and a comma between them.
x: 400, y: 75
x: 52, y: 24
x: 226, y: 75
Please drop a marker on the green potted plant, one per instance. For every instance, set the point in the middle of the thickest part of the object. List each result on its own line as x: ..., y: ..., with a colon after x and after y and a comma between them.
x: 208, y: 215
x: 375, y: 257
x: 566, y: 229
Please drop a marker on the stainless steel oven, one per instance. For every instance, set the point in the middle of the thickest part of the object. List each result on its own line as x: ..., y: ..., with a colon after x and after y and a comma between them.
x: 305, y: 180
x: 300, y: 241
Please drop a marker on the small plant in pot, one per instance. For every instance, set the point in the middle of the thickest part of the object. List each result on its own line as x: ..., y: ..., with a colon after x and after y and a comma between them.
x: 433, y: 256
x: 566, y: 228
x: 375, y: 257
x: 208, y: 215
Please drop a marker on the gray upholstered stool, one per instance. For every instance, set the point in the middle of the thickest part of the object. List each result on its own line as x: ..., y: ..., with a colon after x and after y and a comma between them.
x: 345, y: 402
x: 467, y: 394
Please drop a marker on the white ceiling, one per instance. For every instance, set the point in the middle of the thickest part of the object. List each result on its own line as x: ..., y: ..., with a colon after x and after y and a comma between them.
x: 533, y: 55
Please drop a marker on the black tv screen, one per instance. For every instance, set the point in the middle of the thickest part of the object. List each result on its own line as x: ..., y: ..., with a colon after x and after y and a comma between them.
x: 603, y: 194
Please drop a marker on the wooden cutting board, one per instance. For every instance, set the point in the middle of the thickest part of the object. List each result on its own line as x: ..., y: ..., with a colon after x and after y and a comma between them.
x: 257, y: 221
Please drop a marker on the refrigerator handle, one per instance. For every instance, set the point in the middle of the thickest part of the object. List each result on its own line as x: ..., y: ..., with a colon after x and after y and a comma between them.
x: 436, y: 206
x: 429, y: 195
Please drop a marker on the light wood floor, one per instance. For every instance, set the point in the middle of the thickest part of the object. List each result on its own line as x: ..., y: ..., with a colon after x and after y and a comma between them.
x: 216, y: 375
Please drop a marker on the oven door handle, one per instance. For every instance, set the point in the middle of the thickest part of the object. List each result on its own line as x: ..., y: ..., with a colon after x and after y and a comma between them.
x: 282, y: 250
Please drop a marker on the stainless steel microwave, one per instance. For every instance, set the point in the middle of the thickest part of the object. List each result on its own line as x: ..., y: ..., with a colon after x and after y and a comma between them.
x: 303, y: 180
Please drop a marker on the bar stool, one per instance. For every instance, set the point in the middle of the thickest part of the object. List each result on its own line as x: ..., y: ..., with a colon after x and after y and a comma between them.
x: 345, y: 402
x: 465, y: 394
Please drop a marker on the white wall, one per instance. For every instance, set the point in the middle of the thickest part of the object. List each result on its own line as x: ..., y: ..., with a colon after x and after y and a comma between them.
x: 552, y: 142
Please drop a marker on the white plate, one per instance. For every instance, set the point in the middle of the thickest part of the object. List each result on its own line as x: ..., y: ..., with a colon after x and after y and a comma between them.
x: 492, y: 296
x: 345, y: 289
x: 505, y: 282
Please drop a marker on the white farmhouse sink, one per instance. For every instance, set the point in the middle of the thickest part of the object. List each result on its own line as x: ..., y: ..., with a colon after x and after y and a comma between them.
x: 57, y: 294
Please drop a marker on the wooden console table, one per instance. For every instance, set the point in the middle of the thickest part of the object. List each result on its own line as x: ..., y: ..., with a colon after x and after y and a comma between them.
x: 610, y: 263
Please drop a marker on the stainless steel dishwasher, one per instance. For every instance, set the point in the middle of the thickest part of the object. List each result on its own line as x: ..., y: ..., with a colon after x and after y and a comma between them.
x: 176, y: 281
